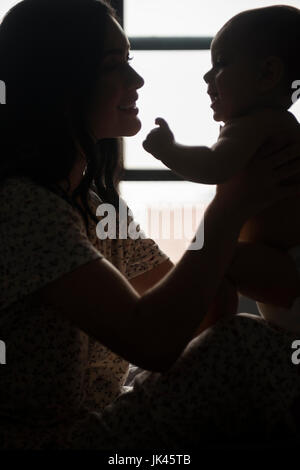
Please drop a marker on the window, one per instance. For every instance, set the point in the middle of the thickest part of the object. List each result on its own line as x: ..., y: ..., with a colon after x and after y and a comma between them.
x: 170, y: 44
x: 196, y: 18
x: 5, y: 6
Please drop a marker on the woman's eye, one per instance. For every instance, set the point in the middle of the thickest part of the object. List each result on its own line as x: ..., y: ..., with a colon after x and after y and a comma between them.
x: 116, y: 63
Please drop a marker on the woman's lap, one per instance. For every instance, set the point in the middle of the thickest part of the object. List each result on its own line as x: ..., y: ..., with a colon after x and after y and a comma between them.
x: 236, y: 381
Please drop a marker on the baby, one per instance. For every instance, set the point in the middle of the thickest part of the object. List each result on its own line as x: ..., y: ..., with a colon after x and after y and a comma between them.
x: 254, y: 67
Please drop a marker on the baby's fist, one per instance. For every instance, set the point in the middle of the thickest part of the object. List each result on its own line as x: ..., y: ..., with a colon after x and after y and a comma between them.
x: 159, y: 140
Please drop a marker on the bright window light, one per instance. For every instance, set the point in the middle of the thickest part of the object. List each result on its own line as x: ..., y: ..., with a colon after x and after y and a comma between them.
x: 168, y: 211
x: 174, y: 87
x: 174, y: 90
x: 186, y: 17
x: 5, y: 6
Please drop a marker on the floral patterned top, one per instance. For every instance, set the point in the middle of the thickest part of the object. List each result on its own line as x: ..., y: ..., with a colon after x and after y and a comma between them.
x: 54, y: 372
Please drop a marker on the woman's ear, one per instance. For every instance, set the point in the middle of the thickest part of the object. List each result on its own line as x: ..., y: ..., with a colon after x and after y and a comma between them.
x: 271, y: 73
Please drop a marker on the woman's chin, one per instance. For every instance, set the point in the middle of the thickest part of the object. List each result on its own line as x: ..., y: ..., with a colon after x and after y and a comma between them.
x: 120, y: 129
x: 133, y: 129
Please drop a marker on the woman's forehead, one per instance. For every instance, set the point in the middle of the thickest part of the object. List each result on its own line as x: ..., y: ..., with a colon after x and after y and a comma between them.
x: 115, y: 39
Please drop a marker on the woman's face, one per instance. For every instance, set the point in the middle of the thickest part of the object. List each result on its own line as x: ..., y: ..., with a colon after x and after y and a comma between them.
x: 114, y: 112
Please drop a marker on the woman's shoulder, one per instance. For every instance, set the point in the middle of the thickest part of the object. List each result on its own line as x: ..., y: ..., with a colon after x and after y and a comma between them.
x: 16, y: 193
x: 25, y: 201
x: 21, y: 189
x: 15, y: 183
x: 15, y: 188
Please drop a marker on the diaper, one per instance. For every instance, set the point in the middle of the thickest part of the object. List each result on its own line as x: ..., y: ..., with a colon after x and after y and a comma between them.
x: 288, y: 319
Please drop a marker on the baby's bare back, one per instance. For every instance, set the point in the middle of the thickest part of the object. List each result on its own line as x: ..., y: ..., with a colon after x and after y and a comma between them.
x: 279, y: 225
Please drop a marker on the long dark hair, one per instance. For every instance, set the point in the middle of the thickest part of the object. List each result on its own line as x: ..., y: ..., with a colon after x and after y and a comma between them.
x: 50, y: 54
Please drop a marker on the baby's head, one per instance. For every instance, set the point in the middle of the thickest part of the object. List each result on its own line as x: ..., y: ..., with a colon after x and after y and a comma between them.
x: 255, y: 60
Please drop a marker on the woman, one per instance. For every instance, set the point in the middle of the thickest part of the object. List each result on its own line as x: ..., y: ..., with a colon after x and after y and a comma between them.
x: 75, y: 310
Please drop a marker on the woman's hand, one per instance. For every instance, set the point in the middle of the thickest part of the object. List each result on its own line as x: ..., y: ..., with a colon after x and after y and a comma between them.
x: 263, y: 182
x: 159, y: 141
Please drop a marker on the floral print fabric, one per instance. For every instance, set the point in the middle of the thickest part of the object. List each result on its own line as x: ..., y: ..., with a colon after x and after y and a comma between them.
x: 54, y: 372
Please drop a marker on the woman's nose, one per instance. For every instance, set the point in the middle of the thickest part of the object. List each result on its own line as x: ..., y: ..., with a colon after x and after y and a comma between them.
x: 136, y: 81
x: 140, y: 81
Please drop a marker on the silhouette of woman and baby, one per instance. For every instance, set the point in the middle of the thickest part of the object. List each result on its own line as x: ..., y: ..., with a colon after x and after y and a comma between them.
x: 76, y: 310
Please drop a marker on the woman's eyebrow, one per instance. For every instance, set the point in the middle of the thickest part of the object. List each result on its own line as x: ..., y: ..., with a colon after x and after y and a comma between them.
x: 117, y: 51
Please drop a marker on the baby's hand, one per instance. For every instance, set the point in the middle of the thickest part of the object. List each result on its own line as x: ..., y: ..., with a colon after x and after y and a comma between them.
x: 160, y: 140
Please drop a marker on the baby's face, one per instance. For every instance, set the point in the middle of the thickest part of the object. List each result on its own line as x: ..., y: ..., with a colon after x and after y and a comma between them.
x: 233, y: 80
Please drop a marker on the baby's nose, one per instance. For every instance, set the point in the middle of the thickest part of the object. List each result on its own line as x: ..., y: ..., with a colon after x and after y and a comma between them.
x: 207, y: 76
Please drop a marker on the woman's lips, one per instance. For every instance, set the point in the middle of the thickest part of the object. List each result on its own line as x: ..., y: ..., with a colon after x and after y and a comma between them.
x: 131, y: 109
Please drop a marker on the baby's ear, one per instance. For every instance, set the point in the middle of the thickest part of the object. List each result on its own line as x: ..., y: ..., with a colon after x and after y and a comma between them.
x: 271, y: 73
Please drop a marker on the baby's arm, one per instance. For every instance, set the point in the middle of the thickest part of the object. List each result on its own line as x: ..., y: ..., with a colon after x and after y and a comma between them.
x: 265, y: 274
x: 203, y: 164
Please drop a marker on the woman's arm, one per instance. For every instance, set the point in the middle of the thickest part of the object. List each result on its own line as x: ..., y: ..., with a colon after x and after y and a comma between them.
x: 149, y: 331
x: 99, y: 300
x: 265, y: 274
x: 149, y: 279
x: 224, y: 304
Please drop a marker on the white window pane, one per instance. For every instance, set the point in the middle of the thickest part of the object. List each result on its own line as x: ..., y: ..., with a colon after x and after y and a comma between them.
x: 186, y: 17
x: 6, y: 5
x: 168, y: 211
x: 175, y: 90
x: 295, y: 109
